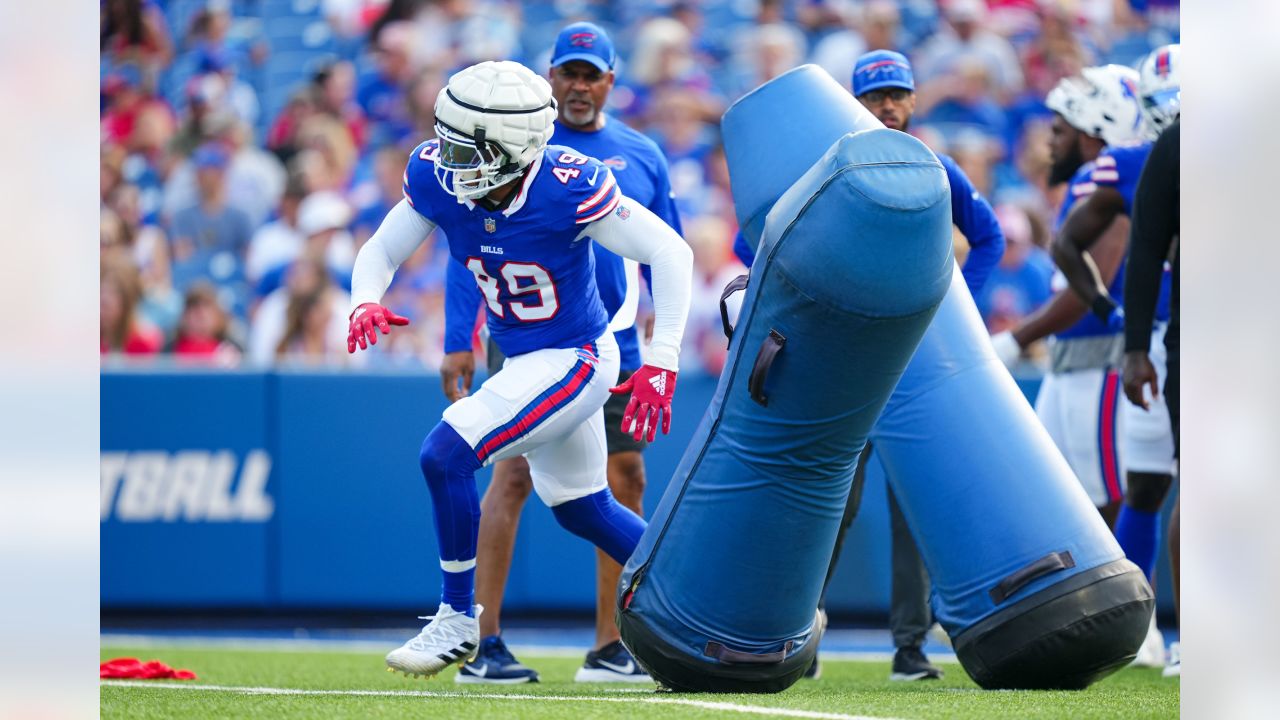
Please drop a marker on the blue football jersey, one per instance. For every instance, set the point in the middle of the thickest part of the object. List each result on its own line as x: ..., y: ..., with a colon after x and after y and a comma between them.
x: 536, y: 275
x: 1081, y: 187
x: 1118, y: 167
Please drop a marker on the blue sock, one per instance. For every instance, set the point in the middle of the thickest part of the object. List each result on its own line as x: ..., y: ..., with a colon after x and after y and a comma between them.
x: 601, y: 520
x: 449, y: 465
x: 1138, y: 532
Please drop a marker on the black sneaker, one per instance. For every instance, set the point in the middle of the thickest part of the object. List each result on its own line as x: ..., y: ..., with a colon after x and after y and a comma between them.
x: 815, y: 669
x: 611, y: 663
x: 909, y: 663
x: 495, y: 665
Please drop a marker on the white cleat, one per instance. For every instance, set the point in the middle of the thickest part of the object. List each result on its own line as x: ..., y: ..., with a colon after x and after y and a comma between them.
x: 1151, y: 654
x: 1174, y: 668
x: 451, y: 638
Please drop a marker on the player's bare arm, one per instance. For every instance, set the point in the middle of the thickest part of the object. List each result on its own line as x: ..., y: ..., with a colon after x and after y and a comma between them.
x: 1072, y: 249
x: 1065, y: 308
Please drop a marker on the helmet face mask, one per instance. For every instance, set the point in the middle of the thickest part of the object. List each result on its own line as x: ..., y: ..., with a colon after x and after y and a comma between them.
x: 470, y: 167
x: 493, y: 120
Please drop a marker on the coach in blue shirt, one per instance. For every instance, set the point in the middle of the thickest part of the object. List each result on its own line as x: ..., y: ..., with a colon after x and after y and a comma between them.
x: 884, y: 84
x: 581, y: 78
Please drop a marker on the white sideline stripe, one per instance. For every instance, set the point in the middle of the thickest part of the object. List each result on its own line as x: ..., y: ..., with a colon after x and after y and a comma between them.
x: 381, y: 646
x: 700, y: 704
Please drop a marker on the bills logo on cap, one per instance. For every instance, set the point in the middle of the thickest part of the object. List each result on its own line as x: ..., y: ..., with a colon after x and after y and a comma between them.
x: 582, y: 40
x: 617, y: 162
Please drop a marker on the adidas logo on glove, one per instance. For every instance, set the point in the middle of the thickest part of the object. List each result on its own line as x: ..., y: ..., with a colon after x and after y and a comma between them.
x: 659, y: 383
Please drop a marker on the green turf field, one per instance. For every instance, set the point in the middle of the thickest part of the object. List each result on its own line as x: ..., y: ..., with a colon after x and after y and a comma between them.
x: 339, y: 684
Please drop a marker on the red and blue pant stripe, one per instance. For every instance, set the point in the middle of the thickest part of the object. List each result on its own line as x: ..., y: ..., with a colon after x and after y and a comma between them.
x: 560, y: 394
x: 1108, y: 451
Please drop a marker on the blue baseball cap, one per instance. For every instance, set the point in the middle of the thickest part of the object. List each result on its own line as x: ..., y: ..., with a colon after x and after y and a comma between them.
x: 586, y: 42
x: 210, y: 155
x: 882, y: 69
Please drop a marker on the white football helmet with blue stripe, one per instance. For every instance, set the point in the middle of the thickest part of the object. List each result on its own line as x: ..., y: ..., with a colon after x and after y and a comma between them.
x: 1102, y: 102
x: 1160, y: 85
x: 492, y: 120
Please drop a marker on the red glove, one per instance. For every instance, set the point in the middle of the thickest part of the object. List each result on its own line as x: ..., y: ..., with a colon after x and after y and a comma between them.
x: 651, y: 389
x: 363, y: 322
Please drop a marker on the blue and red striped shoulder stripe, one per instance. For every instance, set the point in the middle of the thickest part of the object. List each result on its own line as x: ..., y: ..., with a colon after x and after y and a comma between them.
x: 601, y: 203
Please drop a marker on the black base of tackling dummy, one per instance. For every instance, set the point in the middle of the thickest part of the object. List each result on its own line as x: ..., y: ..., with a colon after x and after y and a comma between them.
x: 719, y: 670
x: 1084, y: 627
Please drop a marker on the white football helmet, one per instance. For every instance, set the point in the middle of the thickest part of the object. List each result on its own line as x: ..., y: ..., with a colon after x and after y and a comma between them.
x: 492, y: 120
x: 1102, y: 102
x: 1160, y: 86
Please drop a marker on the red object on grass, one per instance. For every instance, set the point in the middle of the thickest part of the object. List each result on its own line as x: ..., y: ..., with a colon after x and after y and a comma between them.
x: 135, y: 669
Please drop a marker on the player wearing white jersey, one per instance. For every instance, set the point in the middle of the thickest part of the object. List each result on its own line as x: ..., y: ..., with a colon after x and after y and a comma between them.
x: 521, y: 215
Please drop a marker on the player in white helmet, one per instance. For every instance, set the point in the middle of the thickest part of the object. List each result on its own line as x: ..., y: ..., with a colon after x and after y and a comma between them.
x: 1090, y: 255
x: 521, y: 215
x: 1160, y: 85
x: 1078, y: 401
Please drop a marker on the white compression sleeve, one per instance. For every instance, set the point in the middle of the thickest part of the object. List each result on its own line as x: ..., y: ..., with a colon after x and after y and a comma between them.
x: 400, y: 233
x: 642, y: 236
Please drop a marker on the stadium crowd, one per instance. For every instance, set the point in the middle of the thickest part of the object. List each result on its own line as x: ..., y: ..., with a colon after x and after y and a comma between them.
x: 249, y: 147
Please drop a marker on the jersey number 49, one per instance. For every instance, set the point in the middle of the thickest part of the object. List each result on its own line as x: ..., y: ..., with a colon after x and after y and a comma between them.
x: 517, y: 276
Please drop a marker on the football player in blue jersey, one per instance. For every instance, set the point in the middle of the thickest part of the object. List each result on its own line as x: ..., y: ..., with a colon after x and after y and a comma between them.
x: 522, y: 216
x: 1099, y: 136
x: 1148, y: 448
x: 581, y: 78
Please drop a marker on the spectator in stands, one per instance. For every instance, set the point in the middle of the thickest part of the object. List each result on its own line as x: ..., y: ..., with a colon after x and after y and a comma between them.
x: 976, y: 153
x: 204, y: 331
x: 278, y: 243
x: 319, y: 229
x: 420, y: 100
x: 306, y: 336
x: 381, y: 94
x: 396, y: 13
x: 204, y: 116
x: 334, y: 87
x: 714, y: 266
x: 963, y: 99
x: 1020, y: 283
x: 287, y: 323
x: 121, y: 329
x: 966, y: 37
x: 662, y: 60
x: 387, y: 187
x: 881, y: 26
x: 126, y: 100
x: 686, y: 141
x: 282, y: 138
x: 236, y: 96
x: 146, y: 246
x: 210, y: 238
x: 254, y: 177
x: 330, y: 154
x: 134, y: 31
x: 765, y: 52
x: 148, y: 161
x: 837, y: 51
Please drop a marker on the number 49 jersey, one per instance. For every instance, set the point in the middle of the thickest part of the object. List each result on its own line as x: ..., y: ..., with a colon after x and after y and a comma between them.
x: 537, y: 277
